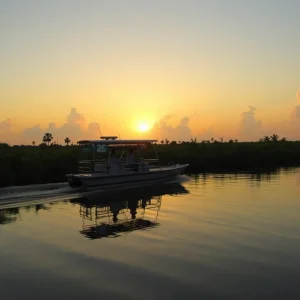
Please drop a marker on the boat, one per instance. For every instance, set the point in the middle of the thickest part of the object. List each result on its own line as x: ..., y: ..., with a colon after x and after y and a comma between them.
x: 100, y: 169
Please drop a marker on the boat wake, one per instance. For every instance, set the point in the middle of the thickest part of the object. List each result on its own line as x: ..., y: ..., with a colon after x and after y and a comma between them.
x: 14, y: 196
x: 38, y: 193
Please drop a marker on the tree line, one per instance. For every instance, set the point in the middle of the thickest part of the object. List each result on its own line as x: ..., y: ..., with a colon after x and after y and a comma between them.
x: 48, y: 140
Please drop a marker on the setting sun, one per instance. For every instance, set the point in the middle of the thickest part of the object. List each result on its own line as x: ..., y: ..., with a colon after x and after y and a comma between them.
x: 142, y: 127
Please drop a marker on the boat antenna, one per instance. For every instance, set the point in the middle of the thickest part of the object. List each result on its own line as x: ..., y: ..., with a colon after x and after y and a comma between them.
x: 99, y: 129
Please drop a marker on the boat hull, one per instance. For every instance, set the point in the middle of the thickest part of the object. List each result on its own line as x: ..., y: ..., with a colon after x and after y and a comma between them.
x: 96, y: 181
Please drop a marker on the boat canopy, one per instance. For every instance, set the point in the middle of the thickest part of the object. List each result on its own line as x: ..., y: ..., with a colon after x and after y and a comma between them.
x: 108, y: 137
x: 116, y: 142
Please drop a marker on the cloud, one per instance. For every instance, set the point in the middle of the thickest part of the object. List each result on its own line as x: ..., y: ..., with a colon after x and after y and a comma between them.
x: 294, y: 123
x: 75, y: 128
x: 181, y: 132
x: 75, y: 118
x: 34, y: 133
x: 92, y: 131
x: 296, y: 111
x: 249, y: 127
x: 5, y: 125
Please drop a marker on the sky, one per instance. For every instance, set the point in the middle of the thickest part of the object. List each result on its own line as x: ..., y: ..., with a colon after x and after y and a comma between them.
x: 173, y: 69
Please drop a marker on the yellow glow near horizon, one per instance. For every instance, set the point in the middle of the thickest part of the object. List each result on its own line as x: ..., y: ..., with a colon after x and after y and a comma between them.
x: 143, y: 126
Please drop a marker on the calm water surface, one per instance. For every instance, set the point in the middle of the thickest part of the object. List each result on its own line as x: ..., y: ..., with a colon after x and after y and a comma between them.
x: 215, y: 236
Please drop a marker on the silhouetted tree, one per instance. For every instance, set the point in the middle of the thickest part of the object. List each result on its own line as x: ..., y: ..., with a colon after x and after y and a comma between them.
x: 4, y: 146
x: 274, y: 138
x: 47, y: 138
x: 33, y: 143
x: 54, y: 144
x: 43, y: 145
x: 67, y: 141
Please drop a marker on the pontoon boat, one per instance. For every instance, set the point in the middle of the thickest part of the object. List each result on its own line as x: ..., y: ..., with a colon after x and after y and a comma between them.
x: 97, y: 171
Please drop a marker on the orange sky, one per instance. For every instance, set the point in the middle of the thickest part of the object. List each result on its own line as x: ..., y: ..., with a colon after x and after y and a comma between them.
x: 122, y: 64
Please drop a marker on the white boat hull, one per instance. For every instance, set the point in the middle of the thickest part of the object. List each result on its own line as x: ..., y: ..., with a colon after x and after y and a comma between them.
x: 100, y: 181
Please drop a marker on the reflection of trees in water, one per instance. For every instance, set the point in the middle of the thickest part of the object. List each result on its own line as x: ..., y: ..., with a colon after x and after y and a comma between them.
x: 8, y: 215
x: 255, y: 177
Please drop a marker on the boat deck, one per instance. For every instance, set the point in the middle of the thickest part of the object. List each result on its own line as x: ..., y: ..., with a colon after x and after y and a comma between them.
x: 130, y: 172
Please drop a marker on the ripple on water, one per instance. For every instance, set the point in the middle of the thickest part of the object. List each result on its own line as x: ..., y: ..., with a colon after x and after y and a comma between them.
x: 214, y: 236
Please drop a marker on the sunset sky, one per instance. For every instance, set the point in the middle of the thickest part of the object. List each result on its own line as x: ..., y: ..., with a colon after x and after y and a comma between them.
x: 183, y: 69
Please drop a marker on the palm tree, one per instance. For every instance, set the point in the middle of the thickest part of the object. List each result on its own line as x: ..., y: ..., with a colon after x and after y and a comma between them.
x: 266, y: 139
x: 33, y: 143
x: 47, y: 138
x: 67, y: 141
x: 274, y: 137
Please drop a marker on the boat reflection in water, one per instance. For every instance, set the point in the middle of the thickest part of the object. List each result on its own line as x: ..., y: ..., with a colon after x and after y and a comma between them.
x: 114, y: 215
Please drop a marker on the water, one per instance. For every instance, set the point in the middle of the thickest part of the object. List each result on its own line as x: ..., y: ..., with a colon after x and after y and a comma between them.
x: 214, y: 236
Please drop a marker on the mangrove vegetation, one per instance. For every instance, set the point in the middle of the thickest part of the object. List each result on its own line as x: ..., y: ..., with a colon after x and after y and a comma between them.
x: 49, y: 162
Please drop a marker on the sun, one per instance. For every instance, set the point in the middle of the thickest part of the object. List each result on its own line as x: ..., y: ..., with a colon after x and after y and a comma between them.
x: 143, y: 127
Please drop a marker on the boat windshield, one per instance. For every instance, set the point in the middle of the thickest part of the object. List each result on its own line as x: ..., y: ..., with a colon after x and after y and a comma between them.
x: 86, y: 152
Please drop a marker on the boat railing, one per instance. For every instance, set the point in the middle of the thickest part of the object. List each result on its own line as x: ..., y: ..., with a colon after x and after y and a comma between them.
x: 101, y: 165
x: 85, y: 166
x: 152, y: 162
x: 88, y: 166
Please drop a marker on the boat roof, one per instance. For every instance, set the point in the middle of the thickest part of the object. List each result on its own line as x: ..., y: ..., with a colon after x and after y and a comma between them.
x: 108, y: 137
x: 117, y: 142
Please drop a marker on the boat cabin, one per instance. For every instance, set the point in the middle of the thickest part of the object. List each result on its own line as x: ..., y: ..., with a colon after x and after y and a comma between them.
x: 110, y: 155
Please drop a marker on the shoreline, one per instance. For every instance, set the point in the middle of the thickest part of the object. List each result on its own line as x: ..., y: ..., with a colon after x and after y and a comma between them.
x: 24, y: 165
